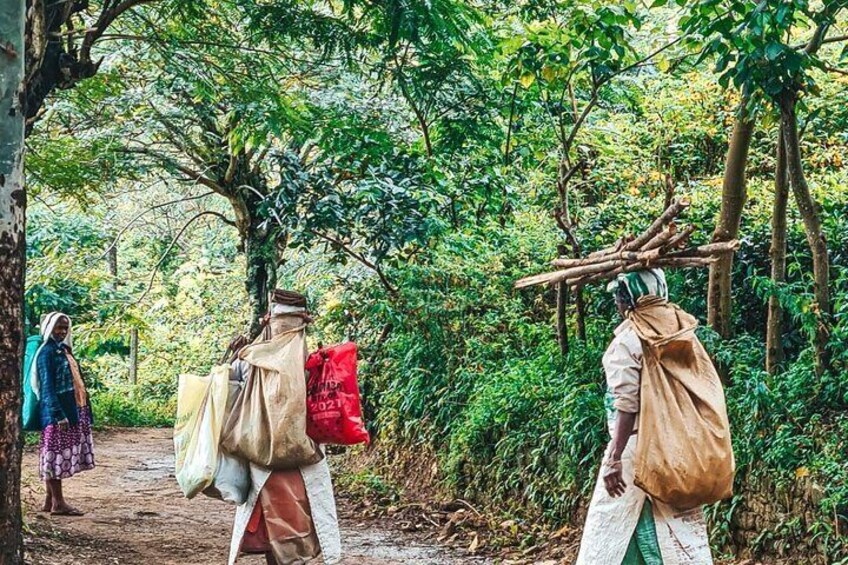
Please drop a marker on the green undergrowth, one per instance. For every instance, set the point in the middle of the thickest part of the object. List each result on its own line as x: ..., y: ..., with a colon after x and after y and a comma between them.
x: 367, y: 484
x: 127, y: 407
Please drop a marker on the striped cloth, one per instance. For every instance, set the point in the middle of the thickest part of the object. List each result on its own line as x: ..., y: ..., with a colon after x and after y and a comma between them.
x: 633, y: 286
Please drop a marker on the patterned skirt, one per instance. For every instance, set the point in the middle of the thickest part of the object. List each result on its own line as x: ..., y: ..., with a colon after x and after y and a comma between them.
x: 64, y: 453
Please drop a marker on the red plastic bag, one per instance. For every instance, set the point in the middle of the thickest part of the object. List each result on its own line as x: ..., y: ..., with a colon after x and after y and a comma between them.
x: 333, y: 407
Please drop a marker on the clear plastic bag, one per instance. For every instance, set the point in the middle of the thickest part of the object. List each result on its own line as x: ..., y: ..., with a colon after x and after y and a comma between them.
x: 201, y: 407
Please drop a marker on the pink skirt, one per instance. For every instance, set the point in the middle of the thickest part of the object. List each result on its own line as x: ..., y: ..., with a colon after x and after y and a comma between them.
x: 64, y: 453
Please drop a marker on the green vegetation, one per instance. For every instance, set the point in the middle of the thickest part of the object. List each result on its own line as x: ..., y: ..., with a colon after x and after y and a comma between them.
x: 403, y: 163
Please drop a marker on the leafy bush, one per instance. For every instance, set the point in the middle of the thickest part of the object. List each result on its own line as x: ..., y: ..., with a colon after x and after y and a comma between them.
x: 122, y: 406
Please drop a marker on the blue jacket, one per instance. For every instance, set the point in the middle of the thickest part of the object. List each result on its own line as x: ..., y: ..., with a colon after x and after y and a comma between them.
x: 56, y: 385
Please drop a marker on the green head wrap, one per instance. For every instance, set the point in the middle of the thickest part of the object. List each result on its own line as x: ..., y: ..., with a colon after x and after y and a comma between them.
x: 632, y: 286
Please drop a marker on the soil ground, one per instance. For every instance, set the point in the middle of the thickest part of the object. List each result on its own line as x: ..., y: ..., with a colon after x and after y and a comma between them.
x: 136, y: 515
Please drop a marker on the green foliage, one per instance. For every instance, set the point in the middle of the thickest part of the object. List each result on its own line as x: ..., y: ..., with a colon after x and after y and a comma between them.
x: 121, y: 406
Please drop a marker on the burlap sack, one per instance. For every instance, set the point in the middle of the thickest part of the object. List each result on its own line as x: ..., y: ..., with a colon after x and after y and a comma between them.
x: 268, y: 422
x: 683, y: 452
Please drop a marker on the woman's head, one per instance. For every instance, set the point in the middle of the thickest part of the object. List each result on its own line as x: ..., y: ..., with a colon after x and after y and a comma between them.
x: 628, y: 288
x: 58, y: 326
x: 61, y: 328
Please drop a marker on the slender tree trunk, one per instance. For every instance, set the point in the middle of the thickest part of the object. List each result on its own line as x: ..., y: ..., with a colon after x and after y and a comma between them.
x: 261, y: 255
x: 507, y: 149
x: 561, y: 311
x: 774, y: 327
x: 811, y: 215
x: 112, y: 259
x: 580, y: 306
x: 113, y: 262
x: 732, y: 201
x: 134, y: 356
x: 12, y: 271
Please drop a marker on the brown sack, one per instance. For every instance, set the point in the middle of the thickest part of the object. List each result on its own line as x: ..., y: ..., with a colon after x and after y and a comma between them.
x: 268, y: 423
x: 683, y: 452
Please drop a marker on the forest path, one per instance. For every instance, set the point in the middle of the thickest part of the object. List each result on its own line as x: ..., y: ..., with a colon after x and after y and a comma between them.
x: 136, y: 515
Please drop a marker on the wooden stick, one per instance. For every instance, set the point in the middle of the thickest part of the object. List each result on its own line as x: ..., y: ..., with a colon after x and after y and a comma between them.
x: 567, y: 263
x: 661, y: 238
x: 574, y: 272
x: 657, y: 251
x: 615, y: 248
x: 630, y: 256
x: 681, y: 238
x: 708, y: 250
x: 627, y: 263
x: 680, y: 262
x: 666, y: 217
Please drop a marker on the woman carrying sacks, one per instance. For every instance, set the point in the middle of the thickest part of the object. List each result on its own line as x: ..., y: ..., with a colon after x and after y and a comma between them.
x: 654, y: 351
x: 290, y: 514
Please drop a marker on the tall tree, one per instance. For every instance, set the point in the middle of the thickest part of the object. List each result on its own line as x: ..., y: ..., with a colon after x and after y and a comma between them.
x: 733, y: 197
x: 12, y: 256
x: 777, y: 254
x: 45, y: 45
x: 755, y: 49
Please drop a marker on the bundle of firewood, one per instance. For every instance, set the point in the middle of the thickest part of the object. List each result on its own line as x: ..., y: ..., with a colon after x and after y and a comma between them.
x: 663, y: 244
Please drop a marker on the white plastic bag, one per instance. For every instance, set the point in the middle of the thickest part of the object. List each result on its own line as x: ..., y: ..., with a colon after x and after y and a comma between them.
x: 201, y: 407
x: 232, y: 477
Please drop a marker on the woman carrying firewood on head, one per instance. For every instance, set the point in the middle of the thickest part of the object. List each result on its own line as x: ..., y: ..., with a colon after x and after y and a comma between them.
x: 670, y: 449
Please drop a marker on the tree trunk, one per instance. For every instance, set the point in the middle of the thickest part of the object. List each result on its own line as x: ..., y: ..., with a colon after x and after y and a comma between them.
x: 261, y: 278
x: 12, y: 259
x: 774, y: 327
x: 134, y: 356
x: 732, y: 201
x: 580, y: 305
x: 811, y: 215
x: 113, y: 262
x: 561, y: 312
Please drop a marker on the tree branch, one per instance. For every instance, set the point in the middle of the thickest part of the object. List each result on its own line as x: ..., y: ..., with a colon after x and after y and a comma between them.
x: 139, y: 215
x: 187, y: 171
x: 107, y: 16
x: 835, y: 70
x: 359, y: 257
x: 174, y: 242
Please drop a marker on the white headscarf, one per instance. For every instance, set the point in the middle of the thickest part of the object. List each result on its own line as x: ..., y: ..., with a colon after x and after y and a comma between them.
x: 47, y: 324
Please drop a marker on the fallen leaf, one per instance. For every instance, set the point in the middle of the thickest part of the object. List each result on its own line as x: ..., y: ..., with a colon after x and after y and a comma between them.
x: 474, y: 544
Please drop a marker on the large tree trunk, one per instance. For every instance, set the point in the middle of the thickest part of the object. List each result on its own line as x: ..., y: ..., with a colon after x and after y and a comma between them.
x: 774, y: 327
x: 12, y: 258
x: 732, y: 202
x: 811, y: 215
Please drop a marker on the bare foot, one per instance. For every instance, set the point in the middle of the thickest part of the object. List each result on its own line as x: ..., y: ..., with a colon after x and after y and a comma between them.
x: 48, y: 504
x: 66, y: 510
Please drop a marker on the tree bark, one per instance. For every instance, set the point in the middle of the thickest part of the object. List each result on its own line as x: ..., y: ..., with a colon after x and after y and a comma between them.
x: 112, y: 260
x: 134, y: 356
x: 777, y: 252
x: 261, y: 278
x: 811, y: 215
x: 561, y: 311
x: 580, y: 305
x: 733, y: 199
x: 12, y: 259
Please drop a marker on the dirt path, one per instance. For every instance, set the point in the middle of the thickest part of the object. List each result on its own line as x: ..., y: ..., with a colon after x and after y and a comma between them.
x: 136, y: 515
